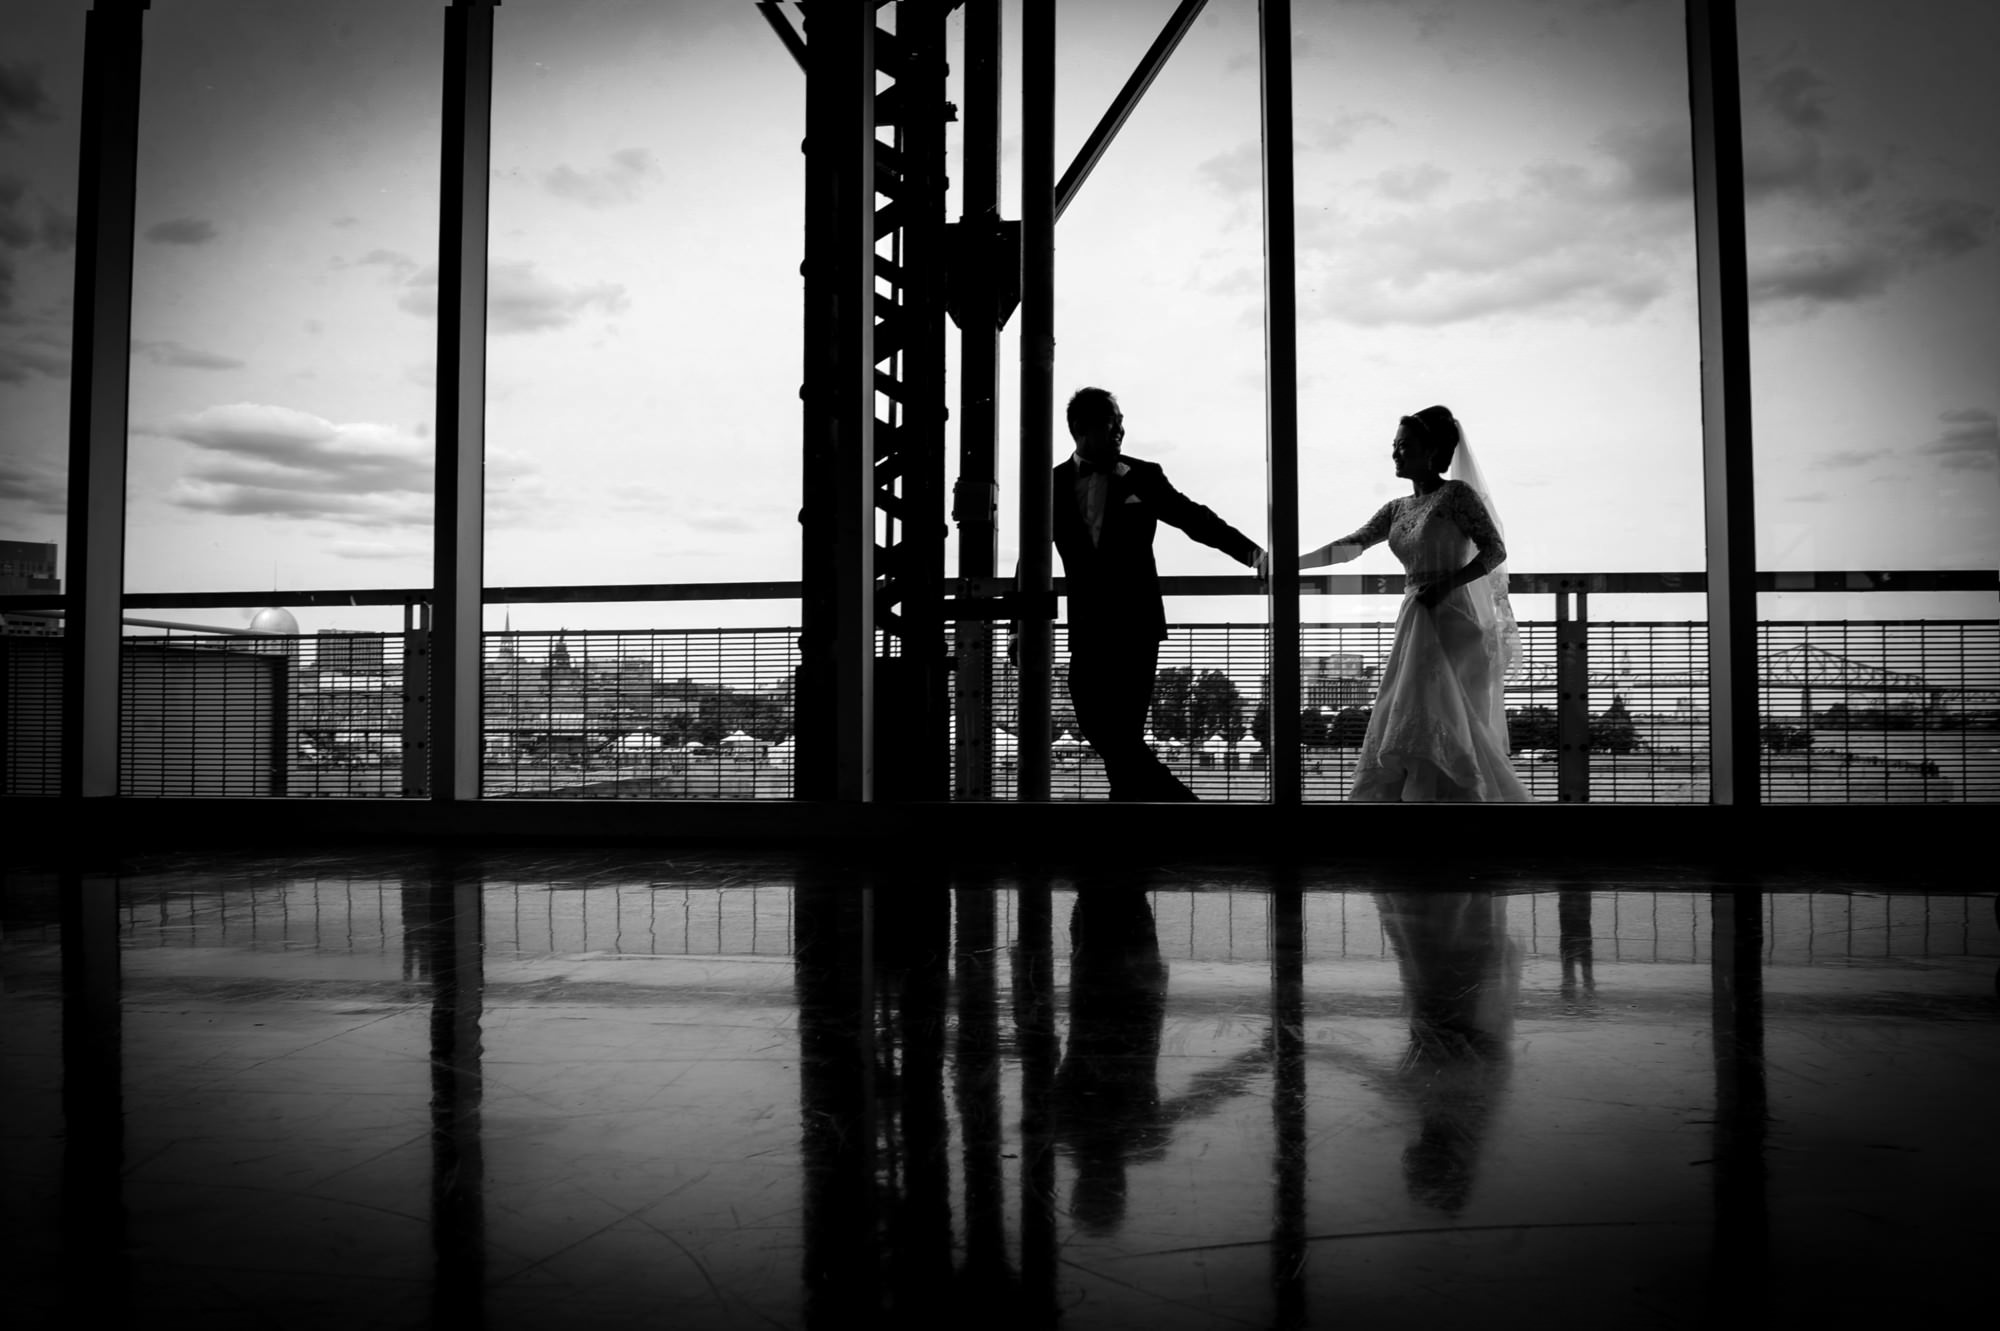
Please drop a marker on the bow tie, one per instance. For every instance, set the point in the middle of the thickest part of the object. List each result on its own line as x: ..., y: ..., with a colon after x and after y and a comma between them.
x: 1084, y: 467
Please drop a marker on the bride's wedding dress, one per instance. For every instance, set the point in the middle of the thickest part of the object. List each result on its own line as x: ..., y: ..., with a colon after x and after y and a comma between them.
x: 1439, y: 729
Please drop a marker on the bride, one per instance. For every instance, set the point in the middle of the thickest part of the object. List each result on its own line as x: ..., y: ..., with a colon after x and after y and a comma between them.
x: 1439, y: 729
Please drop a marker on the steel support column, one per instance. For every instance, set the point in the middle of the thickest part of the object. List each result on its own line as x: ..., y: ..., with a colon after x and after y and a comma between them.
x: 1281, y: 397
x: 1716, y: 117
x: 458, y: 538
x: 100, y: 396
x: 835, y: 692
x: 979, y: 251
x: 1038, y: 348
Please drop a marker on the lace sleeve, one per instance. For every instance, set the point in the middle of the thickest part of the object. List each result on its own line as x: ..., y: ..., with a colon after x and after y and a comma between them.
x: 1372, y: 532
x: 1472, y: 518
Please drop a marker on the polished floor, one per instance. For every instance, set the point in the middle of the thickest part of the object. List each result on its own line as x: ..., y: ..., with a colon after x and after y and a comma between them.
x: 568, y: 1089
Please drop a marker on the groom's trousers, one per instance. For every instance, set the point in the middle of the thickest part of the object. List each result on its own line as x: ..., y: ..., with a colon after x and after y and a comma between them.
x: 1111, y: 685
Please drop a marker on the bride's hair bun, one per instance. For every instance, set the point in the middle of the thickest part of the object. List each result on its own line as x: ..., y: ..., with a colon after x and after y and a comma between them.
x: 1441, y: 428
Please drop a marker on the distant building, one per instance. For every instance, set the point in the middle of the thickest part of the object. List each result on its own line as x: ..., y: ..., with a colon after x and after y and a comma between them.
x: 29, y: 568
x: 1342, y: 679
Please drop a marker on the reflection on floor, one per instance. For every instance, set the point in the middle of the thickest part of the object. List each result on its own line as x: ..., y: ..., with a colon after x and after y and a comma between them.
x: 596, y: 1091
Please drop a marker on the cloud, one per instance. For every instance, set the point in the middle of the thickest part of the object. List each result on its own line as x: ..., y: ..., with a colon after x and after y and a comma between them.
x: 182, y: 231
x: 176, y: 356
x: 36, y: 485
x: 22, y: 97
x: 1828, y: 276
x: 1870, y: 256
x: 400, y: 266
x: 1794, y: 93
x: 1236, y: 171
x: 1831, y: 231
x: 26, y: 224
x: 1970, y: 441
x: 1412, y: 184
x: 669, y: 508
x: 1565, y: 238
x: 382, y: 550
x: 1849, y: 457
x: 271, y: 461
x: 620, y: 182
x: 39, y: 355
x: 520, y: 300
x: 1241, y: 169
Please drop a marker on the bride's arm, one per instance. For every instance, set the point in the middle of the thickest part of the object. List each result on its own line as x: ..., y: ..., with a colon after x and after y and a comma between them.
x: 1372, y: 532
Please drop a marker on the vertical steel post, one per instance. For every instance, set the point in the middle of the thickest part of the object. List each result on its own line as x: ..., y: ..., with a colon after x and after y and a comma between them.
x: 94, y: 1238
x: 975, y: 495
x: 1281, y: 397
x: 1716, y: 117
x: 416, y: 702
x: 1739, y: 1267
x: 1572, y: 697
x: 458, y: 537
x: 1290, y: 1154
x: 1039, y: 1052
x: 836, y: 690
x: 1038, y: 355
x: 100, y: 396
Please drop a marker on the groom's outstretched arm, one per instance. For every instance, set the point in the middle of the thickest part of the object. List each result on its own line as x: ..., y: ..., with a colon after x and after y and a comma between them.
x: 1200, y: 522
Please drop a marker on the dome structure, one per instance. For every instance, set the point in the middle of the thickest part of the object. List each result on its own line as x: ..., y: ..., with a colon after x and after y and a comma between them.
x: 274, y: 619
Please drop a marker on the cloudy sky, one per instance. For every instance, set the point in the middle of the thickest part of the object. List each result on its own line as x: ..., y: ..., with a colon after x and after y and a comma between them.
x: 1493, y: 213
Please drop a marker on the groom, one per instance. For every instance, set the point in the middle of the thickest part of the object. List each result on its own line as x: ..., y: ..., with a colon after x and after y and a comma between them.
x: 1107, y: 507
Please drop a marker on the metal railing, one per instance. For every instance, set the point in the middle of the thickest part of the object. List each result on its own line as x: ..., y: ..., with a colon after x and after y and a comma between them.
x: 1870, y: 710
x: 354, y: 914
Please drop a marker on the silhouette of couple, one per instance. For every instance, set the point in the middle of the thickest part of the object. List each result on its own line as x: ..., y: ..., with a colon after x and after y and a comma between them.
x: 1438, y: 731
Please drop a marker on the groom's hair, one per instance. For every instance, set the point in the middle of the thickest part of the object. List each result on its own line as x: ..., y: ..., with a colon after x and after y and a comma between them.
x: 1441, y: 428
x: 1089, y: 407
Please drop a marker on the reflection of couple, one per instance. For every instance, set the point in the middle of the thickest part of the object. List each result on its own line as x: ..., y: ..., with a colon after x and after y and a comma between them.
x: 1460, y: 978
x: 1439, y: 729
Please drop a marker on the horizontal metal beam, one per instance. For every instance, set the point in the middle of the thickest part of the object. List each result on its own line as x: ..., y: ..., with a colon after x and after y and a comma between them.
x: 1334, y: 584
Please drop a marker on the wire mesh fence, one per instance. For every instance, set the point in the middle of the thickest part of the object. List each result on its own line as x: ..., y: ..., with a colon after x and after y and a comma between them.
x: 30, y: 715
x: 1895, y: 711
x: 1880, y: 711
x: 640, y: 714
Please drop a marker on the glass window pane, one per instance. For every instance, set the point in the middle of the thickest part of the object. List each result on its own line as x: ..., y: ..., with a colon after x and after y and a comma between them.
x: 643, y: 330
x: 1494, y: 214
x: 41, y: 97
x: 1872, y: 162
x: 283, y: 346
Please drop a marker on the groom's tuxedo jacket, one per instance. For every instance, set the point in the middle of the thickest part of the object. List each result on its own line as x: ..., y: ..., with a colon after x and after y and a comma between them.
x: 1113, y: 585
